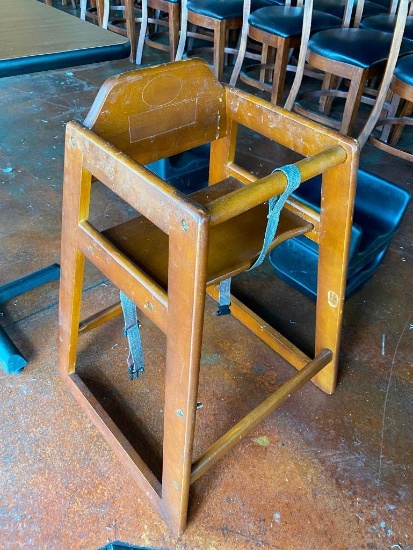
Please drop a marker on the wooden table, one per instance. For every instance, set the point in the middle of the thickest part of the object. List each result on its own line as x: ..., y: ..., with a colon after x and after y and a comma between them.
x: 36, y: 37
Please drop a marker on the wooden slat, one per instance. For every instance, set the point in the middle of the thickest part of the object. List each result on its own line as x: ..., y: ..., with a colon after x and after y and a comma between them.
x: 100, y: 318
x: 138, y: 469
x: 265, y: 332
x: 124, y: 274
x: 249, y: 422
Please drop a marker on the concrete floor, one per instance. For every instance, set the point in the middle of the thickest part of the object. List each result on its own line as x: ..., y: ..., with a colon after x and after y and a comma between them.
x: 324, y: 472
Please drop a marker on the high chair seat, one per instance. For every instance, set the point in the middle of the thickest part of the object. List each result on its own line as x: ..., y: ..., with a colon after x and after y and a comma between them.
x: 242, y: 238
x: 177, y: 248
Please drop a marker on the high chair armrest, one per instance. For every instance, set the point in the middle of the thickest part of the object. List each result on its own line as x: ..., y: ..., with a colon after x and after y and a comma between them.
x: 273, y: 184
x: 131, y: 181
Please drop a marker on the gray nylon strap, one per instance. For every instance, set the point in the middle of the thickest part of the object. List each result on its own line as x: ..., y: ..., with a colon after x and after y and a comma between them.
x: 224, y: 297
x: 135, y: 359
x: 275, y: 205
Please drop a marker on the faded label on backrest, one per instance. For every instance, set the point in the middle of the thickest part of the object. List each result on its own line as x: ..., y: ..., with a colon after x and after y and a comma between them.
x: 161, y: 120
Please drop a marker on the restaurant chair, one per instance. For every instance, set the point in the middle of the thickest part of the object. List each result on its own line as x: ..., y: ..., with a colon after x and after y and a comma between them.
x: 123, y: 22
x: 95, y: 10
x: 338, y: 7
x: 352, y: 55
x: 399, y: 113
x: 213, y: 21
x: 280, y: 29
x: 64, y: 3
x: 385, y: 22
x: 173, y: 10
x: 179, y: 247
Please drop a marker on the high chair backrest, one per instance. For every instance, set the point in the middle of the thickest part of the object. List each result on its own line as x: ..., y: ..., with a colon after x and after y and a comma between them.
x: 162, y: 114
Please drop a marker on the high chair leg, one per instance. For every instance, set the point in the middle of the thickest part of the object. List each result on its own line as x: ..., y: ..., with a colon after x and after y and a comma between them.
x: 186, y: 302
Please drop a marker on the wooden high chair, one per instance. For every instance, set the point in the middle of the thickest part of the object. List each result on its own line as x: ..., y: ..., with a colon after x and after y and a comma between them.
x: 193, y: 243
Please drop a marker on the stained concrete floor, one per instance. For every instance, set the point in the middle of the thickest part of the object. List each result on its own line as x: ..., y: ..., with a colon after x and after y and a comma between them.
x: 331, y: 472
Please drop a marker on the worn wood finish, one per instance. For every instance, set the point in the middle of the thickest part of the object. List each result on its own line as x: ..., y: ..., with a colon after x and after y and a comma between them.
x: 135, y: 119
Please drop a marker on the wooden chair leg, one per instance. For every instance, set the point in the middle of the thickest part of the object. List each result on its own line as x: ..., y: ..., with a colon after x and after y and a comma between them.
x: 279, y: 73
x: 220, y: 36
x: 331, y: 282
x: 242, y: 48
x: 330, y: 82
x: 183, y: 32
x: 174, y: 24
x: 72, y: 260
x: 396, y: 133
x: 352, y: 104
x: 131, y: 28
x: 142, y: 32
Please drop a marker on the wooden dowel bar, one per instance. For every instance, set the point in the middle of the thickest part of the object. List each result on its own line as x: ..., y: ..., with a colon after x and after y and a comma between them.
x: 259, y: 191
x: 124, y: 274
x: 241, y: 174
x: 100, y: 318
x: 255, y: 417
x: 265, y: 332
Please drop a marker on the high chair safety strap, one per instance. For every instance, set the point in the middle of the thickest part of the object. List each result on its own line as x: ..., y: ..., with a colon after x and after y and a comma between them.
x: 275, y: 205
x: 132, y: 332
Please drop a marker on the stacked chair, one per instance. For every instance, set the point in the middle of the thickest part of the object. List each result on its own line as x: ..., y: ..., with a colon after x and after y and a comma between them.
x: 399, y: 112
x: 280, y: 29
x: 385, y: 22
x: 350, y: 54
x: 100, y: 11
x: 213, y: 22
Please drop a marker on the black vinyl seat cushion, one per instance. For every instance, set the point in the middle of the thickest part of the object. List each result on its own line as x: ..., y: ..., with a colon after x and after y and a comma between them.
x: 359, y: 47
x: 384, y: 3
x: 336, y: 7
x: 385, y: 23
x: 378, y: 211
x: 288, y: 21
x: 226, y: 9
x: 404, y: 70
